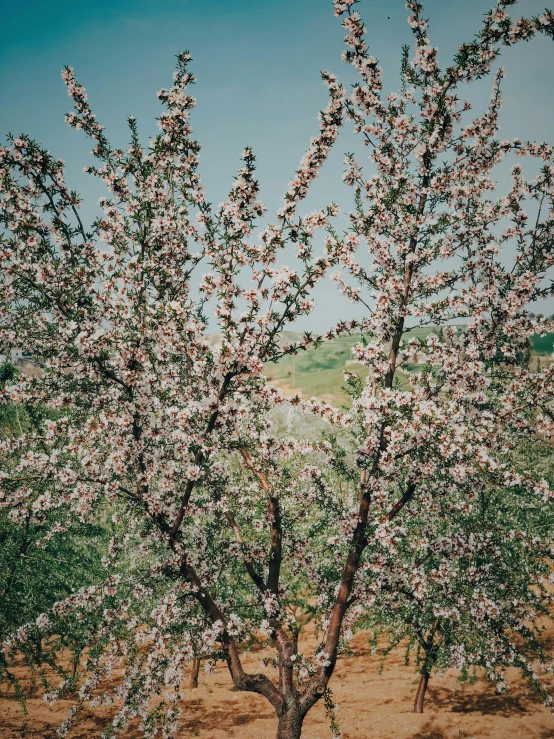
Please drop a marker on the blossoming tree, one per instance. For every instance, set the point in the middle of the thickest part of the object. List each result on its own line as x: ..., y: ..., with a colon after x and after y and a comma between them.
x: 147, y: 407
x: 445, y: 251
x: 470, y: 591
x: 168, y: 426
x: 35, y: 572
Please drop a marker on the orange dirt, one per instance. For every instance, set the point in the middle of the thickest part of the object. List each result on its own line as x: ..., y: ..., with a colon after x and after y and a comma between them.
x: 370, y: 707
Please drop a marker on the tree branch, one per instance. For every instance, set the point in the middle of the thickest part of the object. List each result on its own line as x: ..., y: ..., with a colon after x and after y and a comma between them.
x: 399, y: 505
x: 254, y: 683
x: 276, y: 533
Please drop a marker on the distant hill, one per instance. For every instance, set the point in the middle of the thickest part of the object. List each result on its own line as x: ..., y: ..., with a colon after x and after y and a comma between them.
x: 543, y: 346
x: 319, y: 372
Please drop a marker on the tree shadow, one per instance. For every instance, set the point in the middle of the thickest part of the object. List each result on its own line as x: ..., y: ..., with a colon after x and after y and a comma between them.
x: 228, y: 715
x: 428, y: 731
x: 468, y: 701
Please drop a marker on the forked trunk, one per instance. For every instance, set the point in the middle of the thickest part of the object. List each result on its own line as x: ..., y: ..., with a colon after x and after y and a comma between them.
x: 194, y: 673
x: 421, y: 690
x: 290, y: 725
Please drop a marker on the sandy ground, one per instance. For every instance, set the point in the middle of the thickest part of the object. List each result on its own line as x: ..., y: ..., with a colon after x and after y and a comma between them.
x: 370, y: 707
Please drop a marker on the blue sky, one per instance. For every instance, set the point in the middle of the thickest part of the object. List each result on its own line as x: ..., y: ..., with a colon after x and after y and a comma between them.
x: 257, y: 63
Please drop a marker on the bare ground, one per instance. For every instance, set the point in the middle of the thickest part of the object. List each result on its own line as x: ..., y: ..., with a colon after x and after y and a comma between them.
x: 371, y: 706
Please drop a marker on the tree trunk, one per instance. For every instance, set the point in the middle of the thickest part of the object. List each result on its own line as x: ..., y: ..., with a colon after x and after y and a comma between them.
x: 290, y: 725
x: 194, y: 673
x: 421, y: 690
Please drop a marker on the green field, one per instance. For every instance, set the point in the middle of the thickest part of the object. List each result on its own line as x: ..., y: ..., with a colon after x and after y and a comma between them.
x: 543, y: 346
x: 319, y: 372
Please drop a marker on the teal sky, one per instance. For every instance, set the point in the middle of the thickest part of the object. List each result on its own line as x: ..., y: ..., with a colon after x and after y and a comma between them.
x: 257, y: 63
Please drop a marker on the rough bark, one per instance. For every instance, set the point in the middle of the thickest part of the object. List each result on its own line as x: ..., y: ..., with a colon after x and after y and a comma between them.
x: 290, y: 724
x: 194, y: 673
x: 258, y: 683
x: 421, y: 690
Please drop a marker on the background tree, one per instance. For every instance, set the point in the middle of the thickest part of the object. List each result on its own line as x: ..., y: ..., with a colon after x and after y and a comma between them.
x: 472, y: 591
x: 38, y: 567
